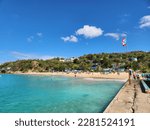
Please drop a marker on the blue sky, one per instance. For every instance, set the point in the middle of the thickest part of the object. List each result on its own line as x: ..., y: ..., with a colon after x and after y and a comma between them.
x: 65, y: 28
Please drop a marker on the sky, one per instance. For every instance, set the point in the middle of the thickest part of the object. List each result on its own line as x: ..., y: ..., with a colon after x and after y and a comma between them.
x: 43, y: 29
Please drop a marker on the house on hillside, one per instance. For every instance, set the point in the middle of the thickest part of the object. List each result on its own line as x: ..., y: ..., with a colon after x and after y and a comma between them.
x: 133, y: 59
x: 62, y: 59
x: 70, y: 59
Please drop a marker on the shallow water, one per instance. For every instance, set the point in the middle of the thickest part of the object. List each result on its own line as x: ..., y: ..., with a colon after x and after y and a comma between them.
x: 54, y: 94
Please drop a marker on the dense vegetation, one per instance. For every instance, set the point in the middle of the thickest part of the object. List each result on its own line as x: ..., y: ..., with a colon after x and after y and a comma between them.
x: 90, y: 62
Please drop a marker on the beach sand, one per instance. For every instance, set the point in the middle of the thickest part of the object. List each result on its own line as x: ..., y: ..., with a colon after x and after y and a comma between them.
x: 121, y: 76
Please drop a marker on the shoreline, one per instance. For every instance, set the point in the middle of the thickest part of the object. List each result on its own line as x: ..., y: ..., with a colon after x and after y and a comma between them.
x: 87, y: 76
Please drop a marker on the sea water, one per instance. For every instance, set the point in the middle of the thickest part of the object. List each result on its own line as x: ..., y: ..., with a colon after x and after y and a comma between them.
x: 55, y: 94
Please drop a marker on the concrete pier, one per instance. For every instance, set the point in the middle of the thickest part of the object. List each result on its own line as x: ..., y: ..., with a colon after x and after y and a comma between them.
x: 130, y: 99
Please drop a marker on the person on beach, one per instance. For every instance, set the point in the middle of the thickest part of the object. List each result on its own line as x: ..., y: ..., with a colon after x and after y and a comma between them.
x: 134, y: 76
x: 130, y: 74
x: 138, y: 76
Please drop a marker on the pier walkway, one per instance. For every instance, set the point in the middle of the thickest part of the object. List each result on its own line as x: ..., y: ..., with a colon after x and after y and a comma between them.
x: 130, y: 99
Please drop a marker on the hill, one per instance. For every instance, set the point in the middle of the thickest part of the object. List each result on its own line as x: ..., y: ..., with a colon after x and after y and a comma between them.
x: 137, y: 60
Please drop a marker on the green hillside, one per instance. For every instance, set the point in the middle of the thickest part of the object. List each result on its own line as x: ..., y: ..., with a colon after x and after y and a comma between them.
x: 137, y: 60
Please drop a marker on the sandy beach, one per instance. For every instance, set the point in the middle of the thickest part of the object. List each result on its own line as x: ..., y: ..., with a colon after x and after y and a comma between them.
x: 113, y: 76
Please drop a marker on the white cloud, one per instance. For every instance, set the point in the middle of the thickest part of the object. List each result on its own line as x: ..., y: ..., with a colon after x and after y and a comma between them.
x: 30, y: 39
x: 145, y: 21
x: 123, y: 35
x: 116, y: 35
x: 70, y: 39
x: 89, y: 31
x: 19, y: 55
x: 39, y: 34
x: 113, y: 35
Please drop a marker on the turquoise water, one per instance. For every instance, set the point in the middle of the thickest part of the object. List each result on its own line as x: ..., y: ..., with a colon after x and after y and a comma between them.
x: 54, y: 94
